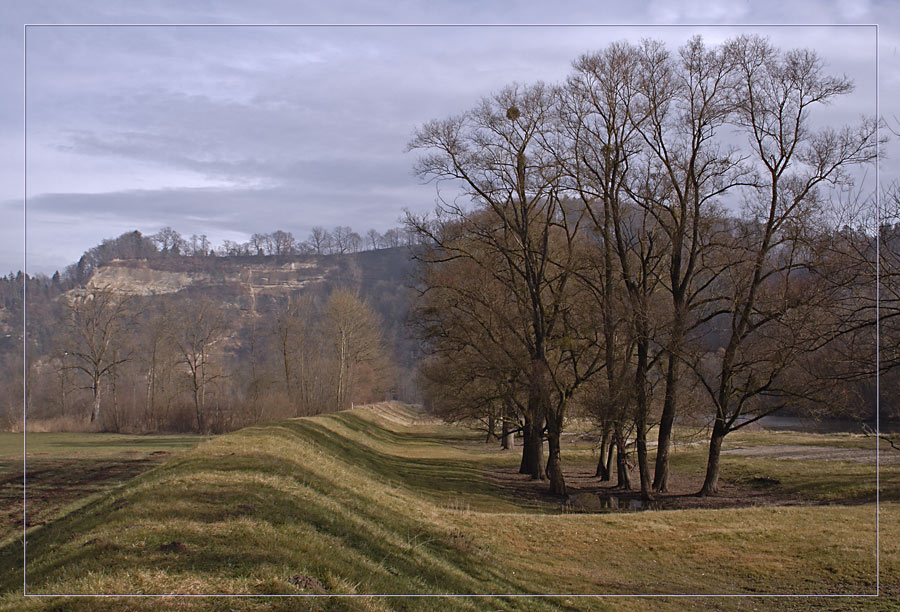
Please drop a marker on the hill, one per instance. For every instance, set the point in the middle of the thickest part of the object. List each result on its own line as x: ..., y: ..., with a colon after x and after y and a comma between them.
x: 251, y: 281
x: 261, y: 306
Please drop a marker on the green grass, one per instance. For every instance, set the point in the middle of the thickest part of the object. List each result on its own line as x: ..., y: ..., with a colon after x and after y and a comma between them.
x: 833, y: 482
x: 822, y: 482
x: 355, y: 503
x: 89, y: 445
x: 843, y: 482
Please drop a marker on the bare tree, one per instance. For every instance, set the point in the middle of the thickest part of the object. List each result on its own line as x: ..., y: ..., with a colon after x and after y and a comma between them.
x: 767, y: 293
x: 283, y: 243
x: 354, y: 242
x: 603, y: 110
x: 373, y: 239
x: 97, y: 318
x: 501, y: 154
x: 320, y: 240
x: 688, y: 101
x: 344, y: 239
x: 259, y: 244
x: 354, y: 332
x: 231, y: 248
x: 477, y: 366
x: 391, y: 238
x: 169, y: 241
x: 158, y: 358
x: 196, y: 332
x: 298, y: 347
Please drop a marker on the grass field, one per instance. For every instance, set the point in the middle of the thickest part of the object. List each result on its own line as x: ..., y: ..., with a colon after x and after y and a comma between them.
x: 375, y: 502
x: 66, y: 469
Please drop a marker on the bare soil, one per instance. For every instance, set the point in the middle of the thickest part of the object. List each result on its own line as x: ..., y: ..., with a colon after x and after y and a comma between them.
x: 53, y: 484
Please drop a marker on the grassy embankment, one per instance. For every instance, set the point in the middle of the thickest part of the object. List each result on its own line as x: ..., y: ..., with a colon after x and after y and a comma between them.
x: 367, y: 502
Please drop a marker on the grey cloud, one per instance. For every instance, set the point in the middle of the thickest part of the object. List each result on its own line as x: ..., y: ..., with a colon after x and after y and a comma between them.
x: 306, y: 125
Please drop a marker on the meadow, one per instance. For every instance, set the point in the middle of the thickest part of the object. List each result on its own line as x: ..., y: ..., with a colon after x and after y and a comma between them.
x: 66, y: 469
x: 398, y: 511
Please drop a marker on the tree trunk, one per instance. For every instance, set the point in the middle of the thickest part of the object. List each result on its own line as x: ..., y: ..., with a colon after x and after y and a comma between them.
x: 95, y: 409
x: 622, y: 479
x: 148, y: 406
x: 602, y: 465
x: 340, y: 389
x: 62, y: 391
x: 533, y: 450
x: 554, y: 467
x: 115, y: 398
x: 202, y: 387
x: 287, y: 373
x: 666, y: 423
x: 506, y: 435
x: 538, y: 409
x: 197, y: 409
x: 490, y: 428
x: 643, y: 463
x: 525, y: 464
x: 609, y: 458
x: 640, y: 421
x: 711, y: 483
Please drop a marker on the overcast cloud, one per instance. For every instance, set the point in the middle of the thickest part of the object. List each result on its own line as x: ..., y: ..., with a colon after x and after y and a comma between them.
x: 234, y: 130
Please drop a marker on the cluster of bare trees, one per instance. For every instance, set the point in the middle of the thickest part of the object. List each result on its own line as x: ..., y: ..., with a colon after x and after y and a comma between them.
x: 663, y: 233
x: 339, y: 240
x: 170, y: 244
x: 189, y: 363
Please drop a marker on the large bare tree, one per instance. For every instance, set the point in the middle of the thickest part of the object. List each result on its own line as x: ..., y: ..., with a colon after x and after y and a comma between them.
x: 97, y: 318
x: 769, y: 266
x: 501, y: 153
x: 195, y: 333
x: 353, y: 330
x: 603, y: 110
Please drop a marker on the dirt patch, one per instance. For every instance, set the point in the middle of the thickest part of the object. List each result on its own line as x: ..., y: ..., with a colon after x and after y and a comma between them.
x: 175, y: 547
x: 53, y: 484
x: 799, y: 452
x: 306, y: 583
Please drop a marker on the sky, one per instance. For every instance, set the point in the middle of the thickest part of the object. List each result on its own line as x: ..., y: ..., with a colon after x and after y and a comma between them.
x: 234, y: 130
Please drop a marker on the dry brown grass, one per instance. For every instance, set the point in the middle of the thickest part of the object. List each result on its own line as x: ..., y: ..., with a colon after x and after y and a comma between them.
x: 359, y: 503
x: 57, y: 424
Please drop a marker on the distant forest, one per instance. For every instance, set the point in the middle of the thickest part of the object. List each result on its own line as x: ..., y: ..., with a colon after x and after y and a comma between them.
x: 219, y: 353
x: 168, y: 242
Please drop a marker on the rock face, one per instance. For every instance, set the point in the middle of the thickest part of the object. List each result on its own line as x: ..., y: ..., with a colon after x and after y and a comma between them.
x: 242, y: 281
x: 139, y: 277
x: 144, y: 281
x: 259, y: 285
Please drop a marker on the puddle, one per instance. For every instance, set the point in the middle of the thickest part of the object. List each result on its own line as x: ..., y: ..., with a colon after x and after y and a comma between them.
x: 598, y: 502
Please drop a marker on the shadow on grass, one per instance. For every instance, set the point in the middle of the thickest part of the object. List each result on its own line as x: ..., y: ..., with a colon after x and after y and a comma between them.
x: 438, y: 479
x: 355, y: 422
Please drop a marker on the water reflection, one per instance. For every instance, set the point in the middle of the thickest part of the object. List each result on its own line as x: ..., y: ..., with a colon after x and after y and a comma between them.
x: 599, y: 502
